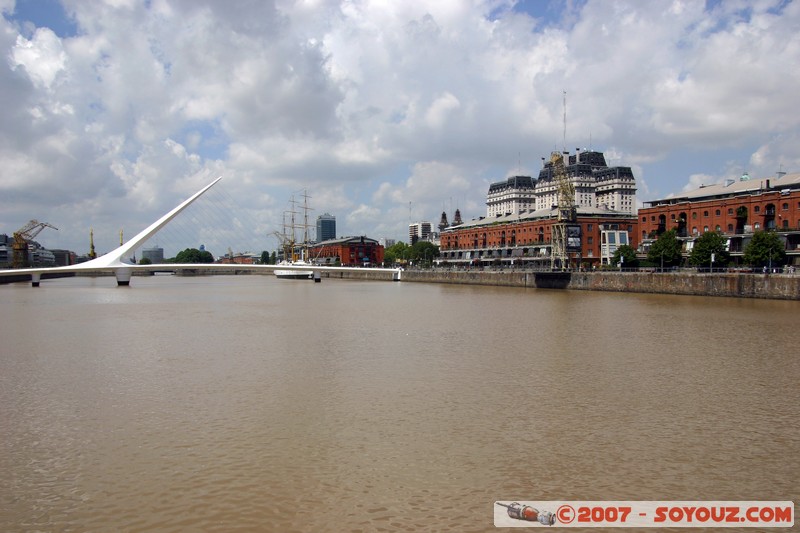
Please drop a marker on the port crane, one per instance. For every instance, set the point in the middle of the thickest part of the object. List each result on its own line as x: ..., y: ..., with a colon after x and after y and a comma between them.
x: 566, y: 212
x: 21, y: 239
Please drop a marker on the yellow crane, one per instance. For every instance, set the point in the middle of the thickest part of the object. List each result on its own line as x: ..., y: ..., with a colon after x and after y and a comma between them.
x: 21, y: 239
x: 566, y: 213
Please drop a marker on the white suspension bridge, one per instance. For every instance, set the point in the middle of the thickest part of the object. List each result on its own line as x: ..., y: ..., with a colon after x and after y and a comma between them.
x: 117, y: 261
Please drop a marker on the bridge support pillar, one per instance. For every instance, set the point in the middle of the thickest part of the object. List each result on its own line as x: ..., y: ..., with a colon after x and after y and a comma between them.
x: 317, y: 276
x: 123, y: 276
x: 396, y: 275
x: 35, y: 278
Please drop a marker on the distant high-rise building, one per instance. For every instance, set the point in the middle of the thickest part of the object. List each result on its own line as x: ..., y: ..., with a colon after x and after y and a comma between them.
x: 419, y: 231
x: 326, y: 227
x: 155, y: 254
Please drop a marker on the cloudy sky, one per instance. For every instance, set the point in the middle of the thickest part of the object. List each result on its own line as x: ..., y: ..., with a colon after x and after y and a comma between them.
x: 114, y: 111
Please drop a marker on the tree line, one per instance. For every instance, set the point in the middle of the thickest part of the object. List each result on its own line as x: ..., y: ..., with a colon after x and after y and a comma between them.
x: 710, y: 249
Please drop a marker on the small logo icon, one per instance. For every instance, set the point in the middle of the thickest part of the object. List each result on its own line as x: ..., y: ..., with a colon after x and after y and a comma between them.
x: 529, y: 514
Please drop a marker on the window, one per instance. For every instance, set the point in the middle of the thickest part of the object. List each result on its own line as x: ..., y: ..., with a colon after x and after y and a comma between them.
x: 590, y: 227
x: 705, y: 213
x: 785, y: 206
x: 757, y: 209
x: 756, y: 226
x: 694, y: 216
x: 718, y: 212
x: 590, y: 240
x: 705, y: 229
x: 730, y: 210
x: 785, y: 224
x: 644, y: 219
x: 730, y: 228
x: 718, y: 228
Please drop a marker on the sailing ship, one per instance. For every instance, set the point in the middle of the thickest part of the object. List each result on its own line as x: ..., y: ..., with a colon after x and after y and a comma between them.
x: 294, y: 254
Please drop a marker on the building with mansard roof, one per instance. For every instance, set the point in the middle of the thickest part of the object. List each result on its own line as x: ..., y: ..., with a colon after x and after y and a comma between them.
x: 596, y: 185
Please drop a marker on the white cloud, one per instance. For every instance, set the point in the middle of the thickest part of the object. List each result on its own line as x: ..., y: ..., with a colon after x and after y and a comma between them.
x: 440, y: 109
x: 42, y: 57
x: 698, y: 180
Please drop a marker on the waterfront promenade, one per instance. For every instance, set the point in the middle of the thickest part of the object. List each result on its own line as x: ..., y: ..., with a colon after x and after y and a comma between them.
x: 684, y: 282
x: 687, y: 282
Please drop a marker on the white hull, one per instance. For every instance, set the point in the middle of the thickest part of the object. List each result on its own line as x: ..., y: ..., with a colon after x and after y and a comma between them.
x: 293, y: 274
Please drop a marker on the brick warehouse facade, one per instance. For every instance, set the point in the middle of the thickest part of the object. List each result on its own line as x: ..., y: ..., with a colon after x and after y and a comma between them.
x: 734, y: 208
x: 347, y: 251
x: 525, y: 239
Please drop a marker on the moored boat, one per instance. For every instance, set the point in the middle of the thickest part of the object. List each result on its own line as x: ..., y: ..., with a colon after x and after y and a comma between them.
x: 287, y: 272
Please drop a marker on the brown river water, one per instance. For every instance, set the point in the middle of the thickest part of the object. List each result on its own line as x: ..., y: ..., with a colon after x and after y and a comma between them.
x: 248, y: 403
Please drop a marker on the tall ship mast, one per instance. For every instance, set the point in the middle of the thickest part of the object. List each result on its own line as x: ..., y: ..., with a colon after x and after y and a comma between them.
x: 294, y: 252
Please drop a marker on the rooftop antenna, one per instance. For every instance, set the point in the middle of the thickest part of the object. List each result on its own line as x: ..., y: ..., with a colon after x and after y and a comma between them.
x: 564, y: 142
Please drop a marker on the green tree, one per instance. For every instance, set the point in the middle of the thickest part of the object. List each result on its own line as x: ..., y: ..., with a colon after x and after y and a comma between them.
x: 193, y: 255
x: 628, y: 254
x: 273, y: 258
x: 145, y: 261
x: 264, y: 257
x: 666, y: 250
x: 765, y: 249
x: 710, y: 242
x: 424, y: 251
x: 399, y: 251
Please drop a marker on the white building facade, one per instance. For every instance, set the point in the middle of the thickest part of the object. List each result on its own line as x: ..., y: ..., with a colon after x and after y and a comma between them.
x: 596, y: 185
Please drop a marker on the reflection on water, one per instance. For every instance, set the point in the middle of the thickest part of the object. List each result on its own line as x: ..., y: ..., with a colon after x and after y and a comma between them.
x: 247, y: 402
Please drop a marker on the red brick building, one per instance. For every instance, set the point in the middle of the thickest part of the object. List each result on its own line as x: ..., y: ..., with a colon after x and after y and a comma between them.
x: 347, y: 251
x: 734, y: 208
x: 525, y: 239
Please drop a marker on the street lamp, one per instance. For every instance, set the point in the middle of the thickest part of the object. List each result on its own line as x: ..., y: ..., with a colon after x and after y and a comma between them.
x: 770, y: 257
x: 621, y: 261
x: 712, y: 263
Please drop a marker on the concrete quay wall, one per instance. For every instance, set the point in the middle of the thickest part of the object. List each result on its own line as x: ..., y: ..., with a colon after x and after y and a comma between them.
x: 735, y: 285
